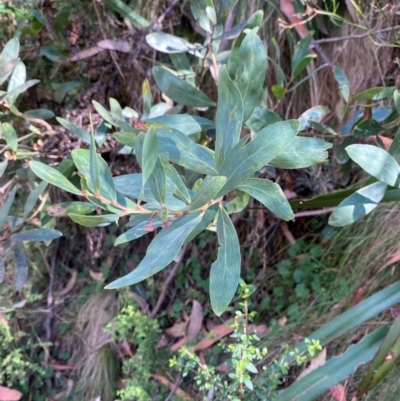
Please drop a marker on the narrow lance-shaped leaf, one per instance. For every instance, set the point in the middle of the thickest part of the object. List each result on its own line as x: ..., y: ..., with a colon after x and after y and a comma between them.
x: 149, y: 153
x: 94, y: 164
x: 19, y: 89
x: 94, y: 221
x: 335, y: 370
x: 116, y: 110
x: 162, y: 250
x: 225, y: 271
x: 21, y: 264
x: 178, y: 148
x: 250, y: 72
x: 81, y: 158
x: 43, y: 114
x: 300, y: 53
x: 229, y: 117
x: 396, y: 97
x: 36, y: 235
x: 376, y: 162
x: 54, y: 177
x: 18, y: 77
x: 207, y: 191
x: 262, y: 117
x: 10, y: 136
x: 179, y: 90
x: 6, y: 207
x: 270, y: 195
x: 147, y: 98
x: 158, y: 182
x: 180, y: 190
x: 3, y: 165
x: 343, y: 83
x: 241, y: 163
x: 358, y: 205
x: 167, y: 43
x: 384, y: 360
x: 78, y: 131
x: 143, y: 228
x: 6, y: 69
x: 302, y: 152
x: 33, y: 197
x: 103, y: 112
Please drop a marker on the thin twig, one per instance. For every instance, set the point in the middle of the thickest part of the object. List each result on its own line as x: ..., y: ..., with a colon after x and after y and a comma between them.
x: 168, y: 281
x: 314, y: 212
x: 176, y: 385
x: 359, y: 36
x: 160, y: 19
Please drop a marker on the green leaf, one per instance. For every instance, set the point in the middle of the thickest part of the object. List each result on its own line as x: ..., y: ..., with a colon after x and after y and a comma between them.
x: 302, y: 152
x: 249, y: 73
x: 103, y: 112
x: 116, y: 110
x: 158, y: 182
x: 316, y: 113
x: 94, y: 171
x: 178, y: 148
x: 241, y: 163
x: 225, y: 271
x: 179, y: 90
x: 6, y: 69
x: 36, y: 235
x: 253, y: 22
x: 62, y: 90
x: 341, y: 155
x: 54, y: 177
x: 80, y: 208
x: 94, y: 221
x: 374, y: 93
x: 278, y: 91
x: 78, y: 131
x: 237, y: 204
x: 33, y: 197
x: 343, y: 83
x: 184, y: 123
x: 166, y: 43
x: 261, y: 118
x: 149, y: 153
x: 42, y: 114
x: 334, y: 370
x: 358, y: 205
x: 270, y: 195
x: 143, y: 228
x: 396, y: 98
x: 19, y: 89
x: 10, y: 136
x: 10, y: 51
x: 6, y: 207
x: 179, y: 188
x: 376, y: 162
x: 207, y: 191
x: 20, y: 265
x: 126, y: 12
x: 126, y: 138
x: 394, y: 149
x: 3, y: 164
x: 162, y: 250
x: 229, y: 116
x: 303, y: 65
x: 366, y: 128
x: 300, y: 53
x: 199, y: 11
x: 81, y: 158
x: 18, y: 77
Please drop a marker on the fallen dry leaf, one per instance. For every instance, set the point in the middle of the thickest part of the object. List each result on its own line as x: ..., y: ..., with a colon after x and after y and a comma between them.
x: 393, y: 258
x: 314, y: 364
x: 179, y: 392
x: 338, y: 392
x: 359, y: 295
x: 214, y: 336
x: 196, y: 321
x: 282, y: 321
x: 177, y: 330
x: 7, y: 394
